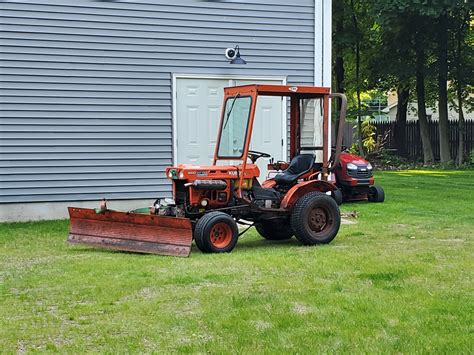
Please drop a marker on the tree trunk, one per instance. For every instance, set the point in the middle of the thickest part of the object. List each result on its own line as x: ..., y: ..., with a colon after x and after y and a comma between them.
x: 357, y: 65
x: 461, y: 130
x: 445, y: 154
x: 421, y: 102
x: 460, y: 84
x: 401, y: 120
x: 359, y: 122
x: 339, y: 75
x: 339, y: 72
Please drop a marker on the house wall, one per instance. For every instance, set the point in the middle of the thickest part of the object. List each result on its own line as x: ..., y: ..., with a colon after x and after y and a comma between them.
x: 86, y: 98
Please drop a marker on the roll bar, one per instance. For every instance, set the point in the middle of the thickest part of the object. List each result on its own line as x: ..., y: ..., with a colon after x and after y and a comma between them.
x: 340, y: 130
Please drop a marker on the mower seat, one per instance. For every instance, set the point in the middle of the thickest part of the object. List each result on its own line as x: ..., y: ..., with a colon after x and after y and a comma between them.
x: 299, y: 165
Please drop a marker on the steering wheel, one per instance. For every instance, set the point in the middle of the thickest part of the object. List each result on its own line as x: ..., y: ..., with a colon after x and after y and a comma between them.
x: 254, y: 155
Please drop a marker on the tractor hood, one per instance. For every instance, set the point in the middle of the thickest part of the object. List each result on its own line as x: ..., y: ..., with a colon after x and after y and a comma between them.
x: 346, y: 158
x: 197, y: 172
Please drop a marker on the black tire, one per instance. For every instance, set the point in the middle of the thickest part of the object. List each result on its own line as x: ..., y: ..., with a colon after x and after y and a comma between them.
x: 216, y: 232
x: 376, y: 194
x: 337, y: 196
x: 315, y: 219
x: 276, y: 229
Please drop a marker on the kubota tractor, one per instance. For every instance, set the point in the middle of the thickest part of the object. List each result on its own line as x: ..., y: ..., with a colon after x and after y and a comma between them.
x: 209, y: 201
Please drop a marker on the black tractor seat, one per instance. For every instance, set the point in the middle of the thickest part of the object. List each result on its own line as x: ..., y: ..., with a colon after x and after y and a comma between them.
x: 299, y: 165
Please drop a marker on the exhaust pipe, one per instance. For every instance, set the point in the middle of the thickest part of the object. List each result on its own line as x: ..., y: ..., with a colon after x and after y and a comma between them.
x: 342, y: 121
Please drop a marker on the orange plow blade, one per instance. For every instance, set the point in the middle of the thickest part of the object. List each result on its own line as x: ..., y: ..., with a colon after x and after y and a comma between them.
x: 142, y: 233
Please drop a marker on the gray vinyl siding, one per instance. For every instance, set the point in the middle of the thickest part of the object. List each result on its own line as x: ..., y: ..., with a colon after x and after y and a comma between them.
x: 85, y: 86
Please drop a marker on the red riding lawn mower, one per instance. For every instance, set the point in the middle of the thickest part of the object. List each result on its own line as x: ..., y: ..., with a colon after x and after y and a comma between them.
x: 210, y: 201
x: 355, y: 180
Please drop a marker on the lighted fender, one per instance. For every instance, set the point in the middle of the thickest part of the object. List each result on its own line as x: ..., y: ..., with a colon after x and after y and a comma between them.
x: 302, y: 188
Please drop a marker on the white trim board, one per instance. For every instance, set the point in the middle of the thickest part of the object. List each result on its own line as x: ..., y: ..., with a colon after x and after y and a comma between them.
x: 175, y: 77
x: 323, y: 50
x: 322, y: 42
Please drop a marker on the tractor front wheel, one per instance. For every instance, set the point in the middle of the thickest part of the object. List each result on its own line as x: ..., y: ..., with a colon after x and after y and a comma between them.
x: 376, y: 194
x: 274, y: 229
x: 315, y: 219
x: 216, y: 232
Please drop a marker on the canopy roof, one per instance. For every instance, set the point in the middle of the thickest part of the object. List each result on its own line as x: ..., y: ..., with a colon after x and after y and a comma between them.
x: 278, y: 90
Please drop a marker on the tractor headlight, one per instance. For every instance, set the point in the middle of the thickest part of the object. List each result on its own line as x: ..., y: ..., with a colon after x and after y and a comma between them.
x: 369, y: 166
x: 351, y: 166
x: 181, y: 175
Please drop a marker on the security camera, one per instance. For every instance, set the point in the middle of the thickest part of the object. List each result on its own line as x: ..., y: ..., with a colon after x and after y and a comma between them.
x: 230, y: 53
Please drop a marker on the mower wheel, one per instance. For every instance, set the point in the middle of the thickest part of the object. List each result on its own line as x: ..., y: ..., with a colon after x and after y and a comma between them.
x: 274, y: 230
x: 337, y: 196
x: 216, y: 232
x: 376, y: 194
x: 315, y: 219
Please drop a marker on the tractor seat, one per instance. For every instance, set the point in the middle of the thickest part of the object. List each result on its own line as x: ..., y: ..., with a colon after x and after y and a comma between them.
x: 299, y: 165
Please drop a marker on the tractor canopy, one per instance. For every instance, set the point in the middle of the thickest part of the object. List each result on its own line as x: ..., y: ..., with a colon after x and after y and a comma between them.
x: 309, y: 121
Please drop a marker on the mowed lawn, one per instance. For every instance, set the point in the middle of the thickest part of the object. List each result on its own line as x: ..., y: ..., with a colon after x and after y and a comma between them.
x: 399, y: 280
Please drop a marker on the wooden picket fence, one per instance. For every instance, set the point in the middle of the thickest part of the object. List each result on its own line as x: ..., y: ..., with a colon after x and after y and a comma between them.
x: 414, y: 145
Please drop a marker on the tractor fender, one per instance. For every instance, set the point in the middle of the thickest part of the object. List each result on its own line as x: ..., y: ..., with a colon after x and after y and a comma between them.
x: 269, y: 184
x: 302, y: 188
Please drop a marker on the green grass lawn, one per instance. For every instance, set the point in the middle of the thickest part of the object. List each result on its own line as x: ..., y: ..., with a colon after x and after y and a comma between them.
x: 400, y: 280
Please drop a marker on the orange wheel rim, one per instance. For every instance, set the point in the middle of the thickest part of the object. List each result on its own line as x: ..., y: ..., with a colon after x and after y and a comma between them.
x: 318, y: 219
x: 221, y: 235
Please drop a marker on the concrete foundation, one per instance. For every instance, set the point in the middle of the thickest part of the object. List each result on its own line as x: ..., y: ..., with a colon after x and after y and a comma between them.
x: 22, y: 212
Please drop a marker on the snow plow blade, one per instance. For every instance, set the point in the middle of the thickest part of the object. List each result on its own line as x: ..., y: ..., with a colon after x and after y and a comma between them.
x: 135, y: 232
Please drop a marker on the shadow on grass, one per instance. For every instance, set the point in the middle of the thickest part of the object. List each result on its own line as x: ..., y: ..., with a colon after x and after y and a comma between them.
x: 84, y: 249
x: 263, y: 243
x: 242, y: 246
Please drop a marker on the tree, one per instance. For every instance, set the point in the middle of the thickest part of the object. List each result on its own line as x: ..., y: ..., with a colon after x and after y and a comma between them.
x: 442, y: 34
x: 358, y: 39
x: 392, y: 63
x: 443, y: 13
x: 408, y: 46
x: 339, y: 46
x: 421, y: 59
x: 462, y: 71
x: 351, y: 46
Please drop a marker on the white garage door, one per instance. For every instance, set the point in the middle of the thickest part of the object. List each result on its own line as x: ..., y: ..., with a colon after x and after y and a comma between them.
x: 198, y: 109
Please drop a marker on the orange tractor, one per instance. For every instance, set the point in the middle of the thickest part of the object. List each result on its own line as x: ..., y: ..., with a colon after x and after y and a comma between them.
x: 210, y: 201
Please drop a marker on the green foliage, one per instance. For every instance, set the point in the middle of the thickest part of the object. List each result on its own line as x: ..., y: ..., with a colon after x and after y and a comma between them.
x: 354, y: 149
x: 368, y: 135
x: 387, y: 160
x: 397, y: 281
x: 399, y: 42
x: 390, y: 32
x: 462, y: 62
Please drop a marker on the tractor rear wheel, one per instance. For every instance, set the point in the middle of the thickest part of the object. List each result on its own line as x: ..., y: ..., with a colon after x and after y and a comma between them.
x: 274, y: 229
x: 216, y: 232
x: 315, y: 219
x: 376, y: 194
